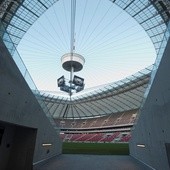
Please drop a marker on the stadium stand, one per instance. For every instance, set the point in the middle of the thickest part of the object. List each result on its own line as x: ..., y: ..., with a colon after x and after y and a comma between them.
x: 98, y: 137
x: 119, y: 118
x: 112, y: 128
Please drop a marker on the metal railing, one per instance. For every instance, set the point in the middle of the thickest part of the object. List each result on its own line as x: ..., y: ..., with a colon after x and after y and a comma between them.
x: 20, y: 64
x: 155, y: 68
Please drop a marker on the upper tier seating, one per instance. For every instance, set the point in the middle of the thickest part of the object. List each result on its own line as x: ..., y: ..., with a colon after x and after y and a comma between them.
x: 113, y: 119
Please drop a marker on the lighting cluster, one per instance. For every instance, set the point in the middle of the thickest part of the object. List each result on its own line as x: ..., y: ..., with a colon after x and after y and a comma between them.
x: 72, y: 62
x: 76, y: 85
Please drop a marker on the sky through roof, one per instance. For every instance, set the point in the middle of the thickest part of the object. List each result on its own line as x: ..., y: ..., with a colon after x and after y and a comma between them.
x: 113, y: 44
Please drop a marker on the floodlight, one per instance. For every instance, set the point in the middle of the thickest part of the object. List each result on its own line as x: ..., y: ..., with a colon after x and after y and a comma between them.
x: 71, y: 62
x: 78, y: 81
x: 65, y: 88
x: 61, y: 81
x: 79, y: 88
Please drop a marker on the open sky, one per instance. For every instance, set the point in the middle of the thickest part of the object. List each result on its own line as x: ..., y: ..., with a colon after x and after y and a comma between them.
x: 113, y: 44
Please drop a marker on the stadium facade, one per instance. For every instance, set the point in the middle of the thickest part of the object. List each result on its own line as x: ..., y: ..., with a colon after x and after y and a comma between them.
x: 28, y: 132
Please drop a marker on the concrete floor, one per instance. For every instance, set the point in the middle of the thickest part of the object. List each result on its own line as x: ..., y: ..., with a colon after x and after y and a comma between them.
x: 92, y: 162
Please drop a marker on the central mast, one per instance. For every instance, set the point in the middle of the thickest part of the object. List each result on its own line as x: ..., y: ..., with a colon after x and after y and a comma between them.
x: 72, y: 61
x: 72, y: 41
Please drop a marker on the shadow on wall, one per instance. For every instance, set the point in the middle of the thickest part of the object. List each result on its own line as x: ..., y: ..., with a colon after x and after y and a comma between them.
x: 17, y: 145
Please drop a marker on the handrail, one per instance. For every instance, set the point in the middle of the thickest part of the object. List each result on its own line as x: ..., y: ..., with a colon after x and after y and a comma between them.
x: 155, y: 68
x: 26, y: 75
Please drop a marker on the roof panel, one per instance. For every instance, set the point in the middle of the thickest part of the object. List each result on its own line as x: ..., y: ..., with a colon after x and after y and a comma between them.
x: 113, y: 97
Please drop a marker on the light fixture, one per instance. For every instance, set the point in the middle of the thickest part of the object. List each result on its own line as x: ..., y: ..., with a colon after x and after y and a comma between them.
x: 79, y: 88
x: 141, y: 145
x: 78, y: 81
x: 47, y: 144
x: 72, y: 61
x: 61, y: 81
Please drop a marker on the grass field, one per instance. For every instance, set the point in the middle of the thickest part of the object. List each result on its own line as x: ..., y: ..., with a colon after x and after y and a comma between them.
x: 96, y: 148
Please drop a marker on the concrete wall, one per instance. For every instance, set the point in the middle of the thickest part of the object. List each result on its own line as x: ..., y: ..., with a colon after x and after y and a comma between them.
x: 5, y: 146
x: 18, y: 106
x: 17, y: 147
x: 153, y: 126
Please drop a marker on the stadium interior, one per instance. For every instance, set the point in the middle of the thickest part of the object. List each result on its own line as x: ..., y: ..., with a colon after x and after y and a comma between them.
x: 135, y: 110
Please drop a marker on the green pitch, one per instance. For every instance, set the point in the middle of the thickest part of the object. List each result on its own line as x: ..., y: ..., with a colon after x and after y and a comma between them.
x: 96, y: 148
